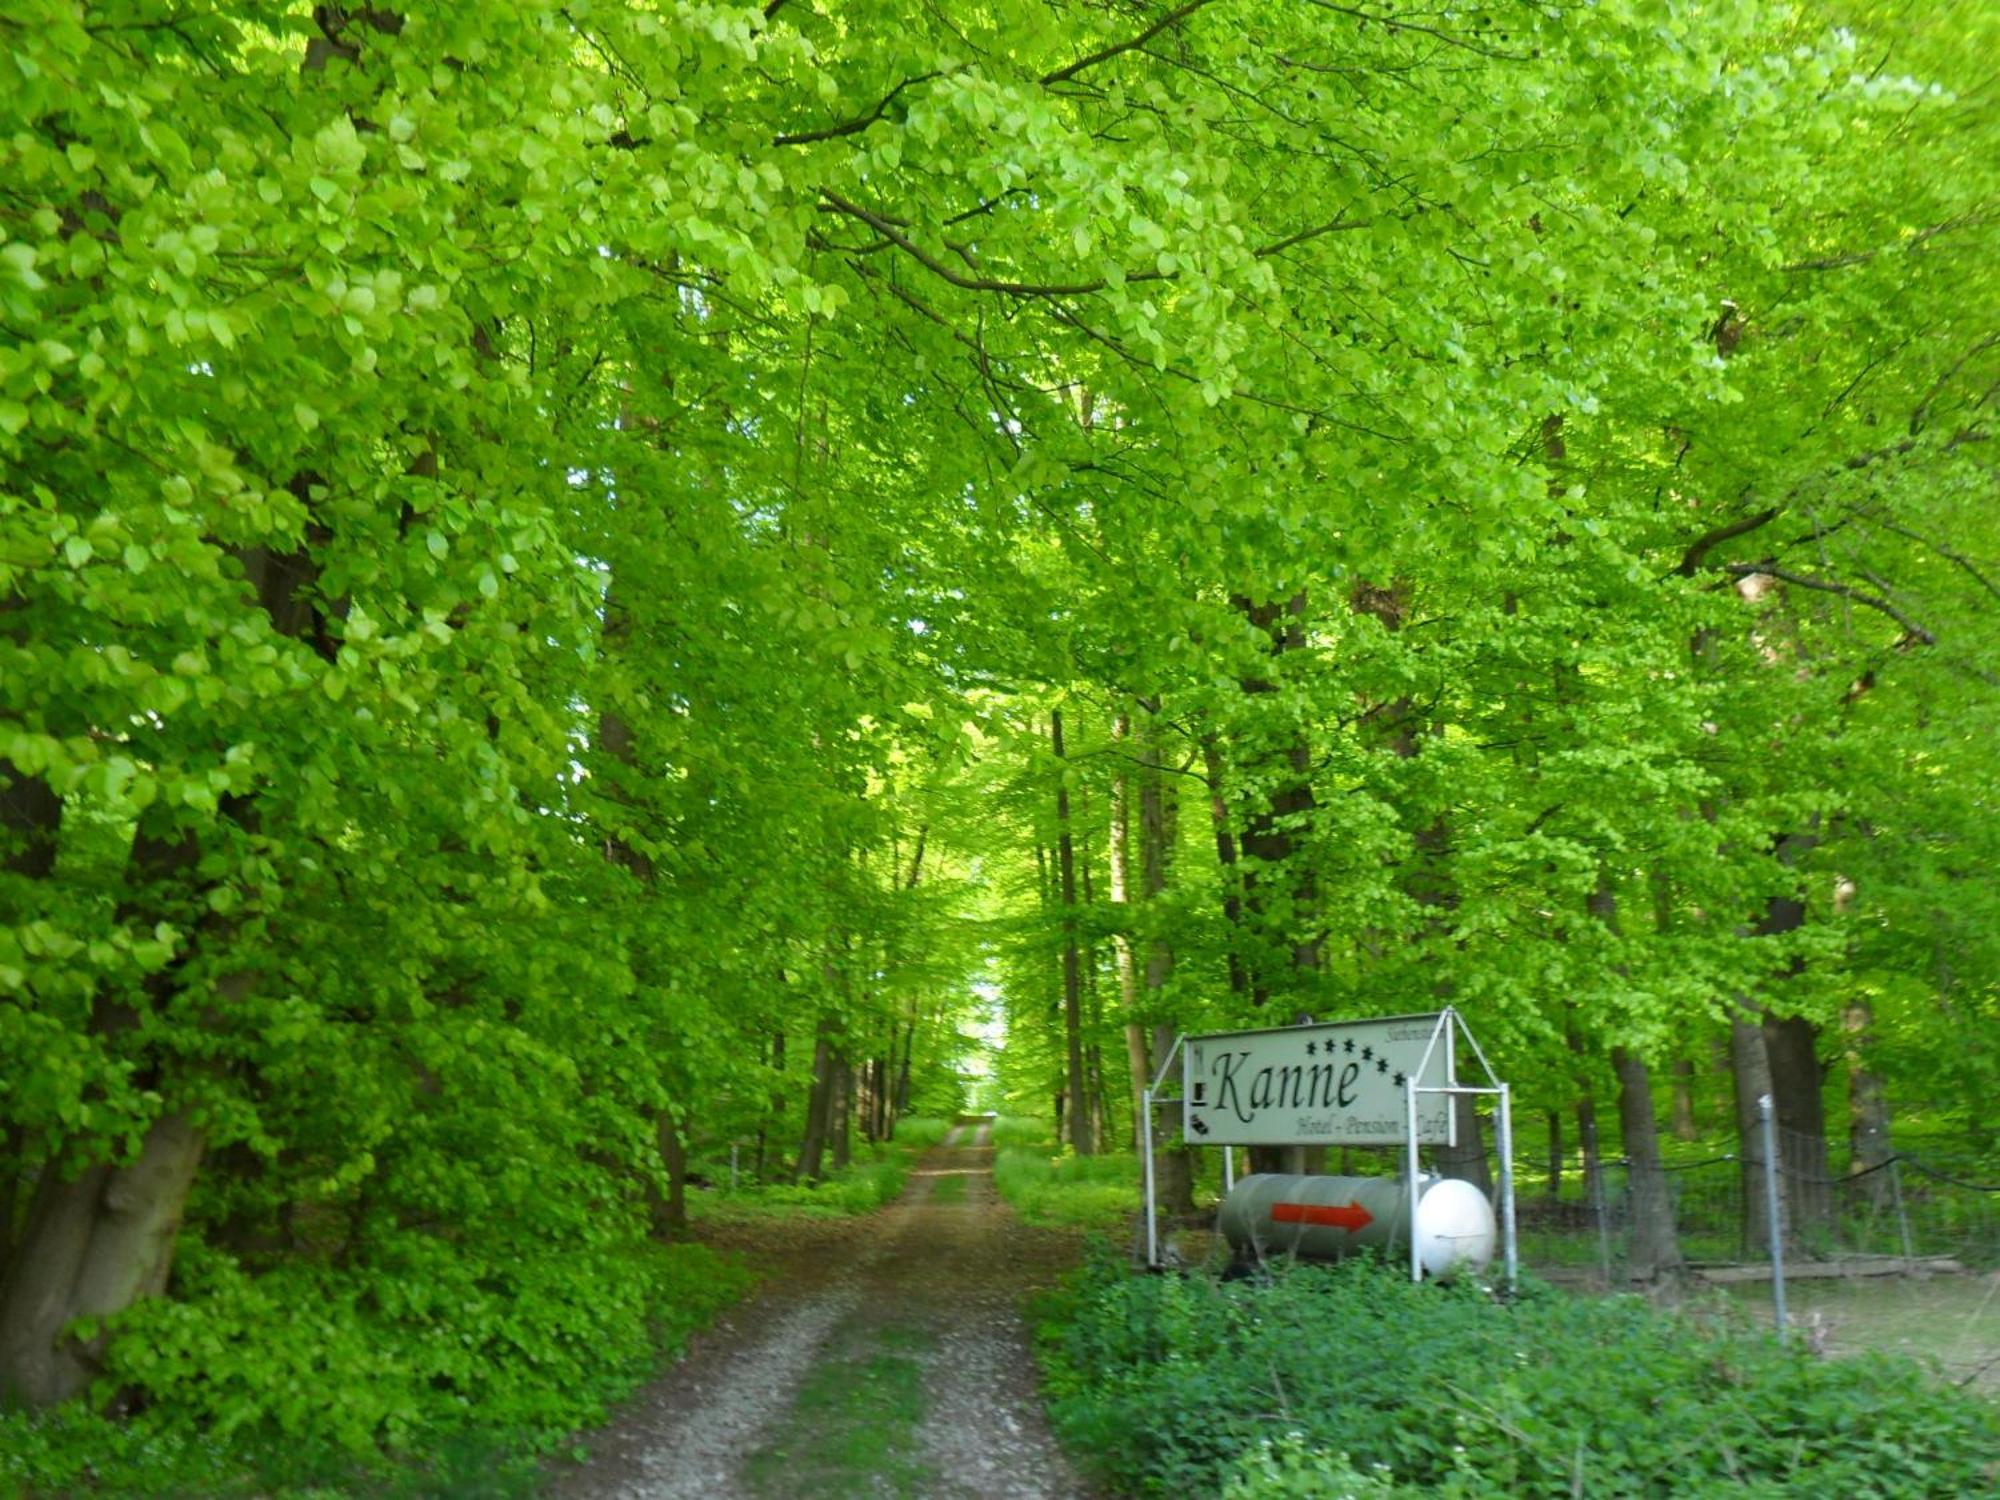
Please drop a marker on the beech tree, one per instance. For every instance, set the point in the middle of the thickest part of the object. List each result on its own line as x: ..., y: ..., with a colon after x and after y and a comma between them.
x: 542, y: 550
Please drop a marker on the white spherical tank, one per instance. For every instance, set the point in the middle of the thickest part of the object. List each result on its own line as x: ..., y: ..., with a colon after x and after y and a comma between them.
x: 1325, y: 1218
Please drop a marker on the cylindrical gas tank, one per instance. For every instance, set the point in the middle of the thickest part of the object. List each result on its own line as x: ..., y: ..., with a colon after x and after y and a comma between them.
x: 1324, y: 1218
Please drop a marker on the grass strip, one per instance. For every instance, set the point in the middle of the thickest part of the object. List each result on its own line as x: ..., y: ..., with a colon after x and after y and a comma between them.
x: 1075, y: 1192
x: 852, y: 1429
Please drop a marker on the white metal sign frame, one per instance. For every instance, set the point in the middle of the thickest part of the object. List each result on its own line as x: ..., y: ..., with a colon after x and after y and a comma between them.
x: 1447, y: 1024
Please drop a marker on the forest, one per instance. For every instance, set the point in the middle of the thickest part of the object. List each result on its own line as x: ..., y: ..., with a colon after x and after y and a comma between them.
x: 594, y: 594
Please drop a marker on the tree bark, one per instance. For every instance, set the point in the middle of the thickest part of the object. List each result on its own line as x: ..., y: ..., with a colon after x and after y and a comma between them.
x: 777, y: 1096
x: 1654, y: 1251
x: 1079, y: 1110
x: 670, y: 1213
x: 1750, y: 1065
x: 1792, y: 1045
x: 1683, y: 1081
x: 1225, y: 859
x: 97, y: 1241
x: 840, y: 1109
x: 1279, y: 893
x: 1269, y: 837
x: 812, y: 1148
x: 1173, y: 1162
x: 31, y: 825
x: 1466, y: 1160
x: 1868, y: 1144
x: 97, y: 1236
x: 1791, y: 1074
x: 1586, y: 1116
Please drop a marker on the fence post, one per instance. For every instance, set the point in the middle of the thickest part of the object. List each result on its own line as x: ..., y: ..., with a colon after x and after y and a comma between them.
x: 1902, y: 1214
x: 1594, y: 1165
x: 1764, y: 1114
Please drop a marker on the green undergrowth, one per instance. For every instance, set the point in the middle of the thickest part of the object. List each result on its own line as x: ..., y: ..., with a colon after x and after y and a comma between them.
x: 875, y: 1178
x: 921, y: 1133
x: 1022, y: 1130
x: 1073, y: 1192
x: 852, y: 1429
x: 1347, y: 1380
x: 297, y: 1385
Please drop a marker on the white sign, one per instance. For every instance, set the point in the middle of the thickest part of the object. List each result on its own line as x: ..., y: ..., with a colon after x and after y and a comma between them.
x: 1342, y: 1084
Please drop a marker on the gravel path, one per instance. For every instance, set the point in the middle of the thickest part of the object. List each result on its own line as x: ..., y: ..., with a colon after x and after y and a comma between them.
x: 955, y: 1270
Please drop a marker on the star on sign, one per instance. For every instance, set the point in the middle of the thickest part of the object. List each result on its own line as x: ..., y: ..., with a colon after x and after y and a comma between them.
x: 1367, y: 1054
x: 1382, y: 1065
x: 1312, y: 1049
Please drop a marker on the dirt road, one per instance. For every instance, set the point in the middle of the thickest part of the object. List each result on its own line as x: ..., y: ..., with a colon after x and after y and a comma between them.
x: 887, y: 1356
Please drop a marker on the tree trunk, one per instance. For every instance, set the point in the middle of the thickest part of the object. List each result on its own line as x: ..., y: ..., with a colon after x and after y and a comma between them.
x: 1653, y: 1251
x: 1793, y: 1075
x: 778, y: 1096
x: 812, y: 1148
x: 1079, y: 1110
x: 1284, y: 917
x: 1751, y: 1066
x: 1279, y: 894
x: 1589, y: 1150
x: 1792, y: 1045
x: 1173, y: 1161
x: 1124, y: 962
x: 1867, y: 1107
x: 1225, y: 859
x: 1467, y: 1160
x: 841, y: 1111
x: 96, y: 1242
x: 1683, y: 1080
x: 1093, y: 1054
x: 1555, y: 1124
x: 1586, y: 1112
x: 30, y: 830
x: 99, y: 1237
x: 30, y: 823
x: 670, y: 1213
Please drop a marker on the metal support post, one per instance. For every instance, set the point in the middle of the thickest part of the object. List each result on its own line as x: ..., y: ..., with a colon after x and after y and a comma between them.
x: 1146, y: 1157
x: 1505, y: 1133
x: 1228, y: 1170
x: 1764, y: 1114
x: 732, y: 1166
x: 1410, y: 1107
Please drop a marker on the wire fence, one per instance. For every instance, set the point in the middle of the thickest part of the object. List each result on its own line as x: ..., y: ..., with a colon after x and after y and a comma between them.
x: 1918, y: 1208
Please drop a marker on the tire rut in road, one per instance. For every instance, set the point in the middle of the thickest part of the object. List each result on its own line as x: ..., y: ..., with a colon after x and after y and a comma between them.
x: 938, y: 1278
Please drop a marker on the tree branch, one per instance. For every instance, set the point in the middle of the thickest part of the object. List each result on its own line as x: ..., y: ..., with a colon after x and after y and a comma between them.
x: 1700, y: 548
x: 1390, y: 23
x: 1941, y: 550
x: 1174, y: 17
x: 1862, y: 257
x: 943, y: 272
x: 890, y: 230
x: 856, y: 125
x: 1911, y: 628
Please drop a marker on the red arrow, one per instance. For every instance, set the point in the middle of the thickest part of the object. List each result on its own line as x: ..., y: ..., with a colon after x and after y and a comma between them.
x: 1352, y: 1217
